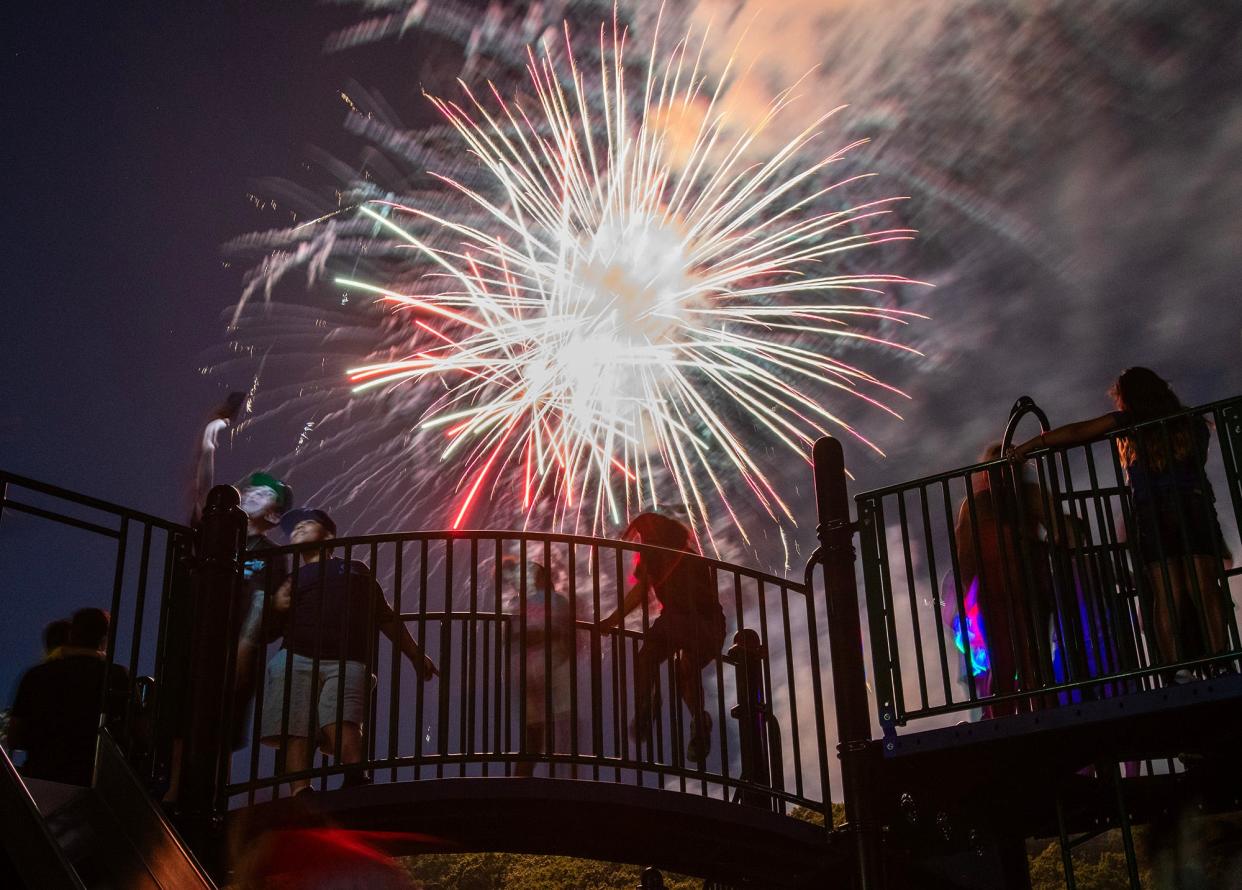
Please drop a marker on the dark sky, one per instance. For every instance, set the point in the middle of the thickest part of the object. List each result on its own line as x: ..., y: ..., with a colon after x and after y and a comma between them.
x: 131, y: 136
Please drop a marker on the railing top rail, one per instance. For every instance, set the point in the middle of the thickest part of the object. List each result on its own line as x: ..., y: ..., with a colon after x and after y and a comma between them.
x: 91, y: 502
x: 360, y: 542
x: 934, y: 478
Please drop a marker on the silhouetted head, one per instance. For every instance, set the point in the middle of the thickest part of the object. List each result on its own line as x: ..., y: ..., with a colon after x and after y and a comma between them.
x: 536, y: 574
x: 1144, y: 394
x: 56, y: 634
x: 231, y: 407
x: 89, y: 628
x: 660, y: 530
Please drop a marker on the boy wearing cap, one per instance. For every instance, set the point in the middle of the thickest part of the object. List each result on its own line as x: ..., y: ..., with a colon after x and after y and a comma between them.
x: 264, y: 500
x: 326, y: 606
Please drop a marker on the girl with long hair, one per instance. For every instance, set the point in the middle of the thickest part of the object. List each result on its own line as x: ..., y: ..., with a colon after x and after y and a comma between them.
x: 1177, y: 534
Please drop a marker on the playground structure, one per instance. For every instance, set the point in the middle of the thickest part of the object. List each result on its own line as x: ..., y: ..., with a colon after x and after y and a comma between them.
x: 828, y: 690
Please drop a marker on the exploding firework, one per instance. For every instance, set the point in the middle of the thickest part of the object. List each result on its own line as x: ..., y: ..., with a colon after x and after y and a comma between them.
x: 640, y: 295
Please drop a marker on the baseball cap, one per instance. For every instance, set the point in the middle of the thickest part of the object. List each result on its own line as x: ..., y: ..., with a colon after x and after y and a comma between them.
x: 284, y: 494
x: 290, y: 520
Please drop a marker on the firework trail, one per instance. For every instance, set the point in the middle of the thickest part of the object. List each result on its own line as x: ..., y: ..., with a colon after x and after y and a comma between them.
x: 632, y: 304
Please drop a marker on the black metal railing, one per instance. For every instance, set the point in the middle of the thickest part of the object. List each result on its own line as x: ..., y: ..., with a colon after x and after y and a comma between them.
x: 122, y: 560
x: 1084, y: 572
x: 524, y: 682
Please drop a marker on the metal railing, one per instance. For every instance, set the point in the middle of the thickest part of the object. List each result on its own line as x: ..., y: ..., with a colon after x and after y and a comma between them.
x: 1083, y: 573
x: 123, y: 560
x: 533, y: 677
x: 763, y: 683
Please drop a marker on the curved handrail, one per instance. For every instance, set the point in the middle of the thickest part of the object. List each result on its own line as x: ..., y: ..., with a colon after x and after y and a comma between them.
x: 1024, y: 406
x: 366, y: 541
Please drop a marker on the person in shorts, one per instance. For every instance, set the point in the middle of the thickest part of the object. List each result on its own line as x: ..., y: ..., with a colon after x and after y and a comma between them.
x: 691, y: 622
x: 326, y: 607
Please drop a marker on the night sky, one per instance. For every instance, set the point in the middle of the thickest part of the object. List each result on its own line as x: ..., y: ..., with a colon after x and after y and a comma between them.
x: 1090, y: 220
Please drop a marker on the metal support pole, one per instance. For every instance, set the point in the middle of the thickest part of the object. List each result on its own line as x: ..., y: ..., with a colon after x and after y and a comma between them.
x: 855, y: 749
x: 216, y: 580
x: 747, y: 655
x: 651, y: 879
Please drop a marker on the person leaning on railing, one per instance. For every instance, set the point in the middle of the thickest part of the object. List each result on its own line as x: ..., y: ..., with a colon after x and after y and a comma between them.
x: 1178, y: 534
x: 1002, y: 551
x: 326, y: 607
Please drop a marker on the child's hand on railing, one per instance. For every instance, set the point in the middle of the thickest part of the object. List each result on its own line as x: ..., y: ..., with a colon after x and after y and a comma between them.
x: 425, y: 668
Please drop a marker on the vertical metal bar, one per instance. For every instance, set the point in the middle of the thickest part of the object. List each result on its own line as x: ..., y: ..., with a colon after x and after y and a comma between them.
x: 549, y: 717
x: 501, y: 703
x: 344, y: 639
x: 420, y: 688
x: 287, y: 680
x: 930, y: 555
x: 792, y: 685
x: 471, y: 634
x: 724, y: 734
x: 869, y: 531
x: 1066, y: 595
x: 505, y: 629
x: 371, y: 730
x: 597, y: 657
x: 172, y: 548
x: 1207, y: 515
x: 394, y: 667
x: 118, y: 582
x: 1067, y: 851
x: 140, y: 600
x: 817, y: 691
x: 446, y: 668
x: 619, y: 671
x: 889, y: 612
x: 523, y: 717
x: 1123, y: 821
x: 572, y: 618
x: 256, y: 729
x: 849, y: 676
x: 1228, y: 424
x: 914, y: 599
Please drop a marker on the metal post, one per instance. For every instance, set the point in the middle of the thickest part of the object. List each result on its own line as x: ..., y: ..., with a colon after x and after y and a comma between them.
x: 747, y: 655
x: 854, y: 748
x: 651, y: 879
x: 216, y: 579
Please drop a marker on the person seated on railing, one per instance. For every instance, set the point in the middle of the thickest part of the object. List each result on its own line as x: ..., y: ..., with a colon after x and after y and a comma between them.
x: 691, y: 622
x: 326, y: 607
x: 55, y: 715
x: 203, y: 466
x: 546, y: 656
x: 1002, y: 552
x: 1177, y: 534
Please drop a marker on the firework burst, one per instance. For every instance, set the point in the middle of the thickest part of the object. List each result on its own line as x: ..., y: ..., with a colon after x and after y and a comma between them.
x: 646, y: 300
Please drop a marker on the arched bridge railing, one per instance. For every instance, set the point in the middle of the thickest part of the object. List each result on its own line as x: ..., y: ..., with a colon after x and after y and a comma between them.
x: 526, y: 682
